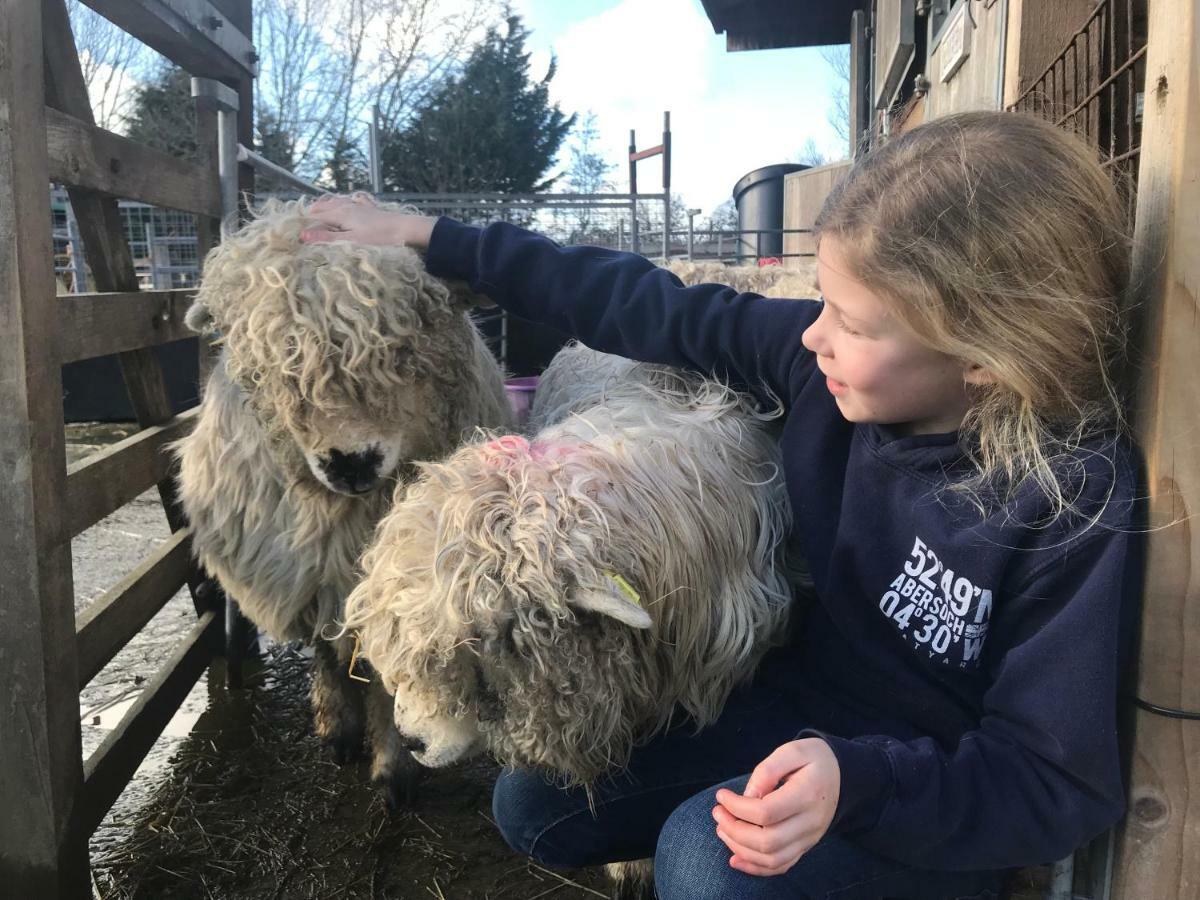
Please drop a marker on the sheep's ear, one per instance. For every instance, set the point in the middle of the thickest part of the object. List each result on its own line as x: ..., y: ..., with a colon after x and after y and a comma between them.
x: 620, y: 603
x: 199, y: 319
x: 463, y: 297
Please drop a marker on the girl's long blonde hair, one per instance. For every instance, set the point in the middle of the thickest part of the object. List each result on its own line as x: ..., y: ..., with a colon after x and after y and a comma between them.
x: 1000, y: 240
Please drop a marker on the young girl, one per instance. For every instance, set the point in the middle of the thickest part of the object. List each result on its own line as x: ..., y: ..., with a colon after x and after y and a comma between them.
x: 963, y: 497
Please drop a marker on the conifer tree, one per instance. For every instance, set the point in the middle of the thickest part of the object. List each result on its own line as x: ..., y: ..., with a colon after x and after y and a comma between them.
x: 163, y: 114
x: 489, y: 128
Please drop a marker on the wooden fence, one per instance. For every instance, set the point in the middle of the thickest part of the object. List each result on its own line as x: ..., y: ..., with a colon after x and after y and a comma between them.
x: 51, y: 799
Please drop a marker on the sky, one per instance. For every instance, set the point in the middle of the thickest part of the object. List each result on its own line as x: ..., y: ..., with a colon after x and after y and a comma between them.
x: 630, y: 60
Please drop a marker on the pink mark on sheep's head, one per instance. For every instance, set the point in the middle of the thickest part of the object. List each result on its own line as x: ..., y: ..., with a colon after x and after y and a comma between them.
x: 510, y: 449
x: 490, y: 610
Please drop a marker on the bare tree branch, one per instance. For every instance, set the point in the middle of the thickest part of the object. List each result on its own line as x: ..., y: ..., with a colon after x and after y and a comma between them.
x: 112, y: 60
x: 837, y: 58
x: 324, y: 63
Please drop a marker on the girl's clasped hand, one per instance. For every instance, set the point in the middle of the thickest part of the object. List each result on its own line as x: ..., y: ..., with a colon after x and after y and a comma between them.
x: 786, y: 808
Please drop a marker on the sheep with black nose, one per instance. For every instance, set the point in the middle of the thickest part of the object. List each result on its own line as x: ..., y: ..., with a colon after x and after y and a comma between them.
x: 339, y: 364
x: 556, y: 599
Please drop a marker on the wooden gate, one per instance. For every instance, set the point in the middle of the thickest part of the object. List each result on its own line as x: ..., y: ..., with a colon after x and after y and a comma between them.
x: 50, y: 798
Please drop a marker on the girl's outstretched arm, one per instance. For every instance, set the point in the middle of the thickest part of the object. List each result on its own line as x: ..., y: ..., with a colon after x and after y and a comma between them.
x: 616, y: 302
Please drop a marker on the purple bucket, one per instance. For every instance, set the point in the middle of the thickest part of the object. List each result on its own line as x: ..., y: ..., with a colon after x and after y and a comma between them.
x: 520, y: 396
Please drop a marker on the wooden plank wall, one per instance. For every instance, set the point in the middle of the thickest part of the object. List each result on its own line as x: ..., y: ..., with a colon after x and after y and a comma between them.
x: 976, y: 84
x: 803, y: 195
x: 40, y: 765
x: 1159, y: 847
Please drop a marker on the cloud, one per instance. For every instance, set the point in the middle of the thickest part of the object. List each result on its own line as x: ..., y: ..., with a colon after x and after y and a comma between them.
x: 729, y: 113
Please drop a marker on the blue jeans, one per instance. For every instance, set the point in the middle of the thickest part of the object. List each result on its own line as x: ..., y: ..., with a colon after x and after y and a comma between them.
x: 661, y: 807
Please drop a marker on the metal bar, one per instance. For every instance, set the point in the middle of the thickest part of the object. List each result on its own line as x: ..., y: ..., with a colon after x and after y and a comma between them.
x: 77, y: 259
x: 376, y: 170
x: 212, y: 94
x: 666, y: 183
x: 1099, y: 89
x: 264, y: 166
x: 499, y: 197
x: 1061, y: 878
x: 227, y: 166
x: 1112, y: 90
x: 1130, y: 91
x: 504, y: 339
x: 531, y: 207
x: 633, y: 211
x: 148, y: 230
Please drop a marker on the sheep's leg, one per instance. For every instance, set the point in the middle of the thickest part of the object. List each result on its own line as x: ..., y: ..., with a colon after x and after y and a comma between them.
x: 338, y: 715
x: 632, y: 880
x: 393, y: 770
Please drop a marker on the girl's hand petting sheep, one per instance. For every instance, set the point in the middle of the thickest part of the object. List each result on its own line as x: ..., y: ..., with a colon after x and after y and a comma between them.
x: 786, y: 808
x: 359, y: 220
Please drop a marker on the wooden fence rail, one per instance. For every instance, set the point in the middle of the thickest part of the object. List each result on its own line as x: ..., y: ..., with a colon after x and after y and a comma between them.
x: 110, y: 622
x: 83, y: 155
x: 92, y: 325
x: 104, y: 482
x: 46, y: 655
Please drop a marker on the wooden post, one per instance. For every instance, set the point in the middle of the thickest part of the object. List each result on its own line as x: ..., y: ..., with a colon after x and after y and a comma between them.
x: 40, y: 754
x: 1158, y: 849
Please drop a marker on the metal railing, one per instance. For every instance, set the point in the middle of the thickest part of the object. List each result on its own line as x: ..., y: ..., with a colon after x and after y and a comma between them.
x: 731, y: 245
x: 1095, y: 87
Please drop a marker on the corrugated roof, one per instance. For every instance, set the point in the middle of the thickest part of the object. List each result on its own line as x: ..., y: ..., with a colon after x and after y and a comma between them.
x: 767, y: 24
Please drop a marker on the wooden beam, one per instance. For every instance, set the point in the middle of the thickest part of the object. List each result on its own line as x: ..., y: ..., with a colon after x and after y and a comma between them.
x: 111, y: 622
x: 104, y: 241
x: 193, y: 34
x: 91, y: 325
x: 1158, y: 848
x: 82, y: 155
x: 106, y: 481
x: 110, y: 767
x: 647, y: 153
x: 40, y: 772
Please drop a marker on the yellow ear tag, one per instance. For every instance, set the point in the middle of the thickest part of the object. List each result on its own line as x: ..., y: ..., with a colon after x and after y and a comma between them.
x: 354, y: 661
x: 625, y: 588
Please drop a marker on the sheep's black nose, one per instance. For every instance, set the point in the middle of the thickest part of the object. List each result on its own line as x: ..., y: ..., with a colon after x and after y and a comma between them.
x: 354, y: 473
x: 412, y: 744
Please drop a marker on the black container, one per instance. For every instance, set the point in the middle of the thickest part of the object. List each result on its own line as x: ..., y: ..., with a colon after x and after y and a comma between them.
x: 94, y: 390
x: 758, y: 196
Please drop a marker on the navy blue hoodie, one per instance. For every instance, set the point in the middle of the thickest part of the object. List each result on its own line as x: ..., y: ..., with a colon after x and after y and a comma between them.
x: 987, y: 646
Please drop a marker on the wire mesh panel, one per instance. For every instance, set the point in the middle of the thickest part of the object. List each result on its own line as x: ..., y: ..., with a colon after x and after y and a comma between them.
x: 1095, y: 87
x: 603, y: 220
x: 163, y: 243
